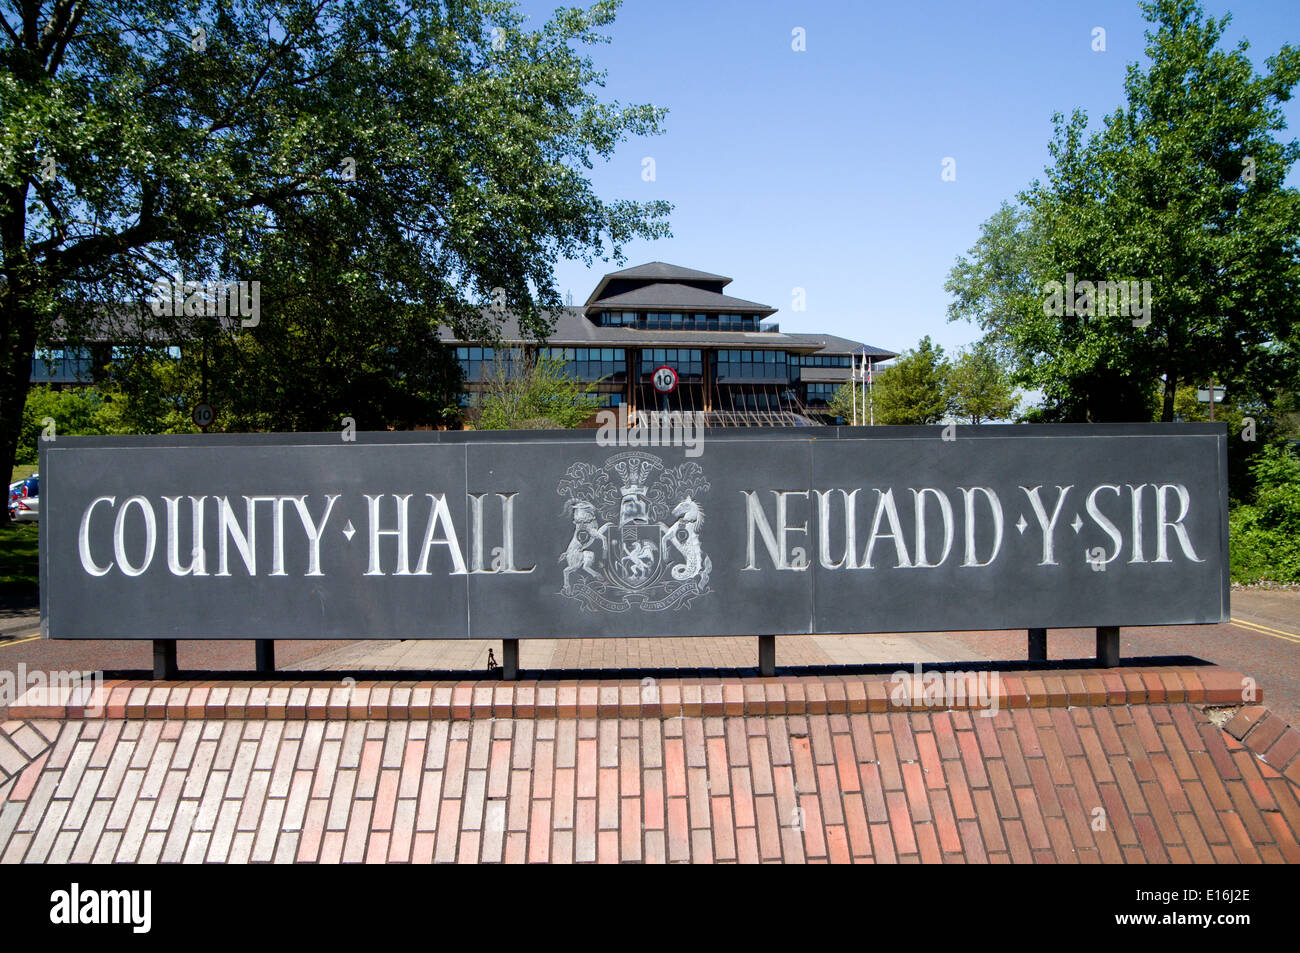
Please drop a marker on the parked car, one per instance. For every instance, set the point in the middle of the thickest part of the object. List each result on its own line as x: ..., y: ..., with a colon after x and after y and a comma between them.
x: 24, y: 499
x: 28, y: 486
x: 25, y: 509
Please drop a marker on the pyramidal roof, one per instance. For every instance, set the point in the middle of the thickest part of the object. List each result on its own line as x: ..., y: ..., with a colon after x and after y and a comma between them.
x: 662, y: 271
x: 660, y: 275
x: 663, y: 294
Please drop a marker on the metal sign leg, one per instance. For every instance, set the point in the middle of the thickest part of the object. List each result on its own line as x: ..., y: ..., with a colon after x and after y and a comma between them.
x: 1038, y: 645
x: 510, y: 660
x: 767, y: 655
x: 1108, y: 645
x: 164, y: 658
x: 265, y: 653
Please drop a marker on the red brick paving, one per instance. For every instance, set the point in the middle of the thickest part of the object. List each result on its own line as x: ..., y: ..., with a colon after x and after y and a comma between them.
x: 1086, y: 766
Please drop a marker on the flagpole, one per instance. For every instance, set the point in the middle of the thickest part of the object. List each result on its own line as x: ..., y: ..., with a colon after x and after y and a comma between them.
x: 853, y: 386
x: 871, y: 384
x: 859, y: 416
x: 859, y: 375
x: 853, y: 383
x: 862, y: 380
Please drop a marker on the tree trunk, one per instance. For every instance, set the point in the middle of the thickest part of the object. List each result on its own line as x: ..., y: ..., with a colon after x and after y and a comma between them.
x: 1171, y: 389
x: 18, y: 334
x: 17, y: 327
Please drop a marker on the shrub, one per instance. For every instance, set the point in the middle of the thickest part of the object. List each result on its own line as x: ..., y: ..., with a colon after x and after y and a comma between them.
x: 76, y: 411
x: 1264, y: 537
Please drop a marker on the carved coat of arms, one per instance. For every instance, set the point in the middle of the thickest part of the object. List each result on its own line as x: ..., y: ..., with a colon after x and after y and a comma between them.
x: 636, y: 534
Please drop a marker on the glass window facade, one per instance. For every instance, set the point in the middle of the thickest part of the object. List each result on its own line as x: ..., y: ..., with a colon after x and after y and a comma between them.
x: 736, y: 365
x: 62, y: 366
x: 591, y: 363
x: 825, y: 360
x: 474, y: 361
x: 586, y: 364
x: 677, y: 321
x: 687, y: 362
x: 820, y: 392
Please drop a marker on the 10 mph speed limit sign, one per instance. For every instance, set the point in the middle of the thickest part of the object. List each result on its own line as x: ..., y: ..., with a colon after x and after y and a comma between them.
x: 203, y: 415
x: 665, y: 379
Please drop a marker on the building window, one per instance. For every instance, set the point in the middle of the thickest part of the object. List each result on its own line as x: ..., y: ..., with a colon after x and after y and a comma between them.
x: 824, y: 360
x: 821, y: 392
x: 474, y: 361
x: 588, y: 364
x: 63, y: 366
x: 735, y: 364
x: 687, y: 362
x: 678, y: 321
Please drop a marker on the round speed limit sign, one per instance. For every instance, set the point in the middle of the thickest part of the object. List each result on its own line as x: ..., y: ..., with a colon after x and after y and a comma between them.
x: 203, y: 415
x: 664, y: 379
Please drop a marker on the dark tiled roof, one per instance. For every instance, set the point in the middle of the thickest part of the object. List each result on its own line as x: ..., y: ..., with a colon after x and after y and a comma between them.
x: 671, y: 297
x: 574, y: 329
x: 655, y: 272
x: 831, y: 344
x: 662, y: 271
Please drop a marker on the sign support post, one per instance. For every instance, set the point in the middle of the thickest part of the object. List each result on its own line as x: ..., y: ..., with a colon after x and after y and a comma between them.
x: 164, y: 658
x: 510, y: 660
x: 264, y: 651
x: 1108, y: 645
x: 767, y: 655
x: 1038, y: 645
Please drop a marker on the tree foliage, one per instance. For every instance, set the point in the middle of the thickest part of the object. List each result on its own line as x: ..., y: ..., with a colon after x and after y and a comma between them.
x: 914, y: 390
x: 840, y: 405
x: 381, y: 167
x: 1181, y: 187
x: 979, y: 388
x: 924, y: 387
x: 69, y: 412
x: 533, y: 393
x: 1264, y: 539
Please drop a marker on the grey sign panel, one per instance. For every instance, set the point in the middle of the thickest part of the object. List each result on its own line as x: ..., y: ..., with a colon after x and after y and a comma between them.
x: 546, y: 535
x: 1020, y: 532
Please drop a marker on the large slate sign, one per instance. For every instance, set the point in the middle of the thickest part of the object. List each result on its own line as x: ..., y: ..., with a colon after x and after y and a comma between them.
x: 514, y: 535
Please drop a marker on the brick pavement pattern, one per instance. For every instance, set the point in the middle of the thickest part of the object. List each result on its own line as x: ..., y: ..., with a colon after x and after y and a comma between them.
x: 1109, y: 779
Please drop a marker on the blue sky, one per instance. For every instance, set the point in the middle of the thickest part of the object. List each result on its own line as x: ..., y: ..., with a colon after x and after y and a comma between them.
x: 821, y: 169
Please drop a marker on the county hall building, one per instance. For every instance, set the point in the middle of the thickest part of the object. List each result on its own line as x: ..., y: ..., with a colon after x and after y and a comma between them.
x: 730, y: 361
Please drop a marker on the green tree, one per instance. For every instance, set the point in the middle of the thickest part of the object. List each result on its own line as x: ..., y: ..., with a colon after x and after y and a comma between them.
x: 155, y: 392
x: 1264, y: 536
x: 979, y: 388
x: 841, y: 403
x: 1181, y: 188
x: 525, y: 392
x: 914, y: 390
x: 55, y: 413
x: 435, y: 152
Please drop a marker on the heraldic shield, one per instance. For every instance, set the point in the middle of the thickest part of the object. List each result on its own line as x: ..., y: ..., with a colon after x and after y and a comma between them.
x: 636, y: 534
x: 639, y: 558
